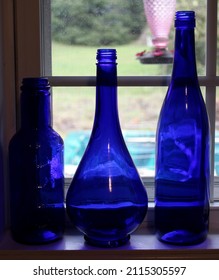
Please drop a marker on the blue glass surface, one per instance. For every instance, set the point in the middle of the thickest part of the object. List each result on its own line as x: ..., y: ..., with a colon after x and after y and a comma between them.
x: 36, y: 169
x: 141, y: 146
x: 182, y: 152
x: 106, y: 199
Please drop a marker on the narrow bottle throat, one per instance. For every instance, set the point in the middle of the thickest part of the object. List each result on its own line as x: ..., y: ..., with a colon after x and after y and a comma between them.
x: 106, y: 74
x: 106, y: 113
x: 184, y: 65
x: 35, y: 110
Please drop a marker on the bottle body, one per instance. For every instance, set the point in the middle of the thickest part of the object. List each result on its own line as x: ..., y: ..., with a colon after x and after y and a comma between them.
x: 36, y: 172
x: 106, y: 199
x: 182, y: 153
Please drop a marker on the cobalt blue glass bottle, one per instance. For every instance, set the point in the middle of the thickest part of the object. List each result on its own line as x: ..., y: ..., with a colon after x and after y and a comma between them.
x: 182, y: 155
x: 106, y: 199
x: 36, y: 169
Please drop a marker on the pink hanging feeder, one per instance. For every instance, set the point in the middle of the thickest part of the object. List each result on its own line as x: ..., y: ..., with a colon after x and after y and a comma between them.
x: 159, y: 15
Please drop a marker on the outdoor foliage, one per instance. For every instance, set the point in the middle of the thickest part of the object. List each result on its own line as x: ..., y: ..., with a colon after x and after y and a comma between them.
x: 97, y: 22
x: 101, y: 23
x: 200, y: 32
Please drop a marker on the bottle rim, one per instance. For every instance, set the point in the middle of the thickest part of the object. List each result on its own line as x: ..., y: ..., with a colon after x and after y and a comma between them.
x: 35, y: 83
x: 185, y: 19
x: 106, y: 55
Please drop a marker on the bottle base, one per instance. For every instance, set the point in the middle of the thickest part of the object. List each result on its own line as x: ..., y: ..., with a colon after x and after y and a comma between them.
x: 106, y: 243
x: 37, y: 237
x: 181, y: 237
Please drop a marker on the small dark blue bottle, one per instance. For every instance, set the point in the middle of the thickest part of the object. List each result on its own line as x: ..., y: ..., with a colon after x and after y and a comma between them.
x: 182, y: 155
x: 106, y: 199
x: 36, y: 169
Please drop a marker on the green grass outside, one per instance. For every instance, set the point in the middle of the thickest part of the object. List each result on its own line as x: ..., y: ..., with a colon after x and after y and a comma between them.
x: 73, y: 108
x: 81, y: 60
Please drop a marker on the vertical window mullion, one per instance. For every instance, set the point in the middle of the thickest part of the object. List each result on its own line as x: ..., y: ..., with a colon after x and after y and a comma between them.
x: 45, y: 38
x: 7, y: 101
x: 211, y: 63
x: 28, y: 48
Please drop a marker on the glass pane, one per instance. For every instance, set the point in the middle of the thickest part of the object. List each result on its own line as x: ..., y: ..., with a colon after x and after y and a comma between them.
x: 73, y: 111
x: 216, y: 164
x: 73, y: 115
x: 80, y: 27
x: 217, y: 40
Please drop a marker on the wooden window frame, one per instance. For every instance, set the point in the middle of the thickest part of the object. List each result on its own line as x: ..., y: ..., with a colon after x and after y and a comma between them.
x: 26, y: 51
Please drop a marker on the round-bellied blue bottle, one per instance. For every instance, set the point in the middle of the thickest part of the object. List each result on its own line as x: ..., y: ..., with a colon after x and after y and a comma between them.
x: 106, y: 199
x: 182, y: 154
x: 36, y: 169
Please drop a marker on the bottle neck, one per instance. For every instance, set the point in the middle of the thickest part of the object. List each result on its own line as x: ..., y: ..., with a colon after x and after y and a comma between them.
x: 106, y: 96
x: 184, y: 64
x: 35, y: 109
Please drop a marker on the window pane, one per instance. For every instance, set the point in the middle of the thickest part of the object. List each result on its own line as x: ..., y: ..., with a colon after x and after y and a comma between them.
x: 80, y: 27
x: 73, y: 110
x: 216, y: 164
x: 73, y: 115
x: 218, y: 40
x: 216, y: 169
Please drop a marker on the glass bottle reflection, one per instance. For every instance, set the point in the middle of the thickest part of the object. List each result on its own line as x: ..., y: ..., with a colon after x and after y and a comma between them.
x: 36, y: 169
x: 106, y: 199
x: 182, y: 159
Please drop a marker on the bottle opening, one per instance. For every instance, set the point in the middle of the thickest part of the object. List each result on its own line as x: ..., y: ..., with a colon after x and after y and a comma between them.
x: 35, y: 83
x: 106, y: 55
x: 185, y: 19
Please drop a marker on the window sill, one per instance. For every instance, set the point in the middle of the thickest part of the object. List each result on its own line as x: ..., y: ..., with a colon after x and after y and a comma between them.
x: 143, y: 245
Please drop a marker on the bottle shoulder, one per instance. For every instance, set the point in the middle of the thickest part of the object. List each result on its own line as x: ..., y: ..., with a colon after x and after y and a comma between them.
x: 47, y: 136
x: 184, y: 104
x: 187, y: 96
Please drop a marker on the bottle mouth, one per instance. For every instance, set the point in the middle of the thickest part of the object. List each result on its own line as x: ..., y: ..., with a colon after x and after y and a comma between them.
x: 185, y: 19
x: 106, y: 55
x: 35, y: 83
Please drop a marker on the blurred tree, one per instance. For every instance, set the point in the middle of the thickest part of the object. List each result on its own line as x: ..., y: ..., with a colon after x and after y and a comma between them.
x: 97, y: 22
x: 116, y: 22
x: 200, y: 32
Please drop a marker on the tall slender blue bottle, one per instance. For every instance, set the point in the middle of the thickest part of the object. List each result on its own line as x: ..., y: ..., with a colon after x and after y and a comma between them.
x: 36, y: 169
x: 182, y: 156
x: 106, y: 199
